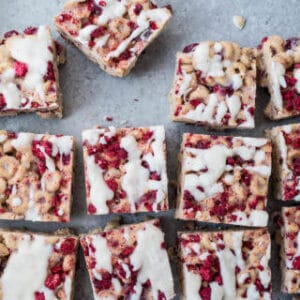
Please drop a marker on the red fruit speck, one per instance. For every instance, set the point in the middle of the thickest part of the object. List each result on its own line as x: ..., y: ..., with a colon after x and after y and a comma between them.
x: 91, y: 209
x: 20, y: 69
x: 153, y: 25
x: 103, y: 284
x: 68, y: 246
x: 190, y: 48
x: 53, y: 281
x: 39, y: 296
x: 112, y: 184
x: 10, y: 33
x: 30, y: 30
x: 296, y: 263
x: 138, y: 8
x: 50, y: 75
x: 2, y: 101
x: 161, y: 296
x: 98, y: 32
x: 205, y: 293
x: 126, y: 252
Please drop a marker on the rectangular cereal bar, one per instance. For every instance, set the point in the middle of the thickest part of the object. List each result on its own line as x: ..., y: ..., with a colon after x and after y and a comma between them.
x: 29, y: 73
x: 282, y: 65
x: 290, y: 250
x: 286, y: 158
x: 125, y: 170
x: 37, y: 266
x: 36, y: 172
x: 129, y: 262
x: 224, y: 179
x: 112, y: 33
x: 225, y: 265
x: 215, y: 85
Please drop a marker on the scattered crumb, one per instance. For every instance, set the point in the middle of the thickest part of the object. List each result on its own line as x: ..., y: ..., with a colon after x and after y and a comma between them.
x: 136, y: 100
x: 109, y: 119
x: 124, y: 122
x: 239, y: 22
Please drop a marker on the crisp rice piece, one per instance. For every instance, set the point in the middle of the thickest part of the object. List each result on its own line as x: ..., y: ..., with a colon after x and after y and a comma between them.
x: 129, y: 262
x: 112, y: 33
x: 36, y: 172
x: 37, y: 266
x: 282, y: 65
x: 226, y: 265
x: 286, y: 161
x: 215, y: 85
x: 290, y: 250
x: 224, y: 179
x: 125, y: 170
x: 29, y: 79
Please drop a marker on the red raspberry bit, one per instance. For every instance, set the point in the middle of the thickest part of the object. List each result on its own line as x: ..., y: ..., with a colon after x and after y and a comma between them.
x: 127, y: 252
x: 53, y: 281
x: 91, y: 209
x: 8, y: 34
x: 125, y: 55
x: 98, y: 32
x: 203, y: 144
x: 195, y: 102
x: 296, y: 263
x: 153, y: 25
x: 30, y: 30
x: 190, y: 48
x: 246, y: 178
x: 112, y: 184
x: 251, y: 110
x: 39, y: 296
x: 102, y: 3
x: 169, y: 7
x: 68, y: 246
x: 2, y: 101
x: 109, y: 119
x: 104, y: 283
x: 161, y: 296
x: 138, y: 8
x: 163, y: 245
x: 297, y: 66
x: 20, y: 69
x: 50, y: 75
x: 205, y: 293
x: 65, y: 17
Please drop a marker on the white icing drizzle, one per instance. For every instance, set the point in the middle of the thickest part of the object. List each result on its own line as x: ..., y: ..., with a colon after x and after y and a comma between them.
x: 277, y: 72
x: 152, y: 262
x: 23, y: 140
x: 113, y: 9
x: 187, y: 78
x: 217, y: 291
x: 159, y: 15
x: 61, y: 144
x: 234, y: 105
x: 237, y: 238
x: 102, y: 254
x: 99, y: 191
x: 192, y: 284
x: 84, y: 34
x: 32, y: 212
x: 24, y: 273
x: 297, y: 76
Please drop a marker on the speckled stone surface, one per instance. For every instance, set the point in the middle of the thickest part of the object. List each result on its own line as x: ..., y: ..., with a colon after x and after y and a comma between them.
x: 90, y: 94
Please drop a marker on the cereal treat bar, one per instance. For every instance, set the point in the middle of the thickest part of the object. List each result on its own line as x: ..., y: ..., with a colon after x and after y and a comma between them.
x: 290, y: 250
x: 129, y: 262
x: 36, y: 172
x: 29, y: 73
x: 286, y: 158
x: 112, y: 33
x: 224, y: 179
x: 282, y: 65
x: 125, y: 170
x: 215, y: 85
x: 226, y: 265
x: 37, y: 266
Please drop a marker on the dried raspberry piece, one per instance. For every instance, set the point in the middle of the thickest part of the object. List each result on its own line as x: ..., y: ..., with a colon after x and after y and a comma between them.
x: 127, y: 252
x: 161, y: 295
x: 20, y: 68
x: 112, y: 184
x: 296, y: 263
x: 53, y: 281
x: 8, y: 34
x: 98, y: 32
x: 68, y: 246
x: 39, y: 296
x: 205, y: 293
x: 190, y: 48
x: 92, y: 209
x: 138, y: 8
x: 30, y: 30
x: 2, y: 101
x: 50, y: 75
x: 153, y: 25
x: 104, y: 283
x: 195, y: 102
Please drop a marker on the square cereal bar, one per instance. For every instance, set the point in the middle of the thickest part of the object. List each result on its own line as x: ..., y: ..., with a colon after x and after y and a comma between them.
x: 226, y: 265
x: 286, y: 161
x: 125, y: 170
x: 29, y: 73
x: 290, y: 250
x: 112, y: 33
x: 215, y: 85
x: 36, y: 172
x: 37, y: 266
x: 224, y: 179
x: 282, y: 64
x: 129, y: 262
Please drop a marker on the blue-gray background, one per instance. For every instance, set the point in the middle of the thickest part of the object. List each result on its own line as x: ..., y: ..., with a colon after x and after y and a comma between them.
x: 89, y: 94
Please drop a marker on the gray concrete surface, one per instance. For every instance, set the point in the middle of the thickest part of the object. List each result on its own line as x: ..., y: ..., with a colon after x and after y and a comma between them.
x: 89, y: 94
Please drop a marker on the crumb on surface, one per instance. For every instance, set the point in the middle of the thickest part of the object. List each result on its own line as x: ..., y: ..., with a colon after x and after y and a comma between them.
x: 239, y: 22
